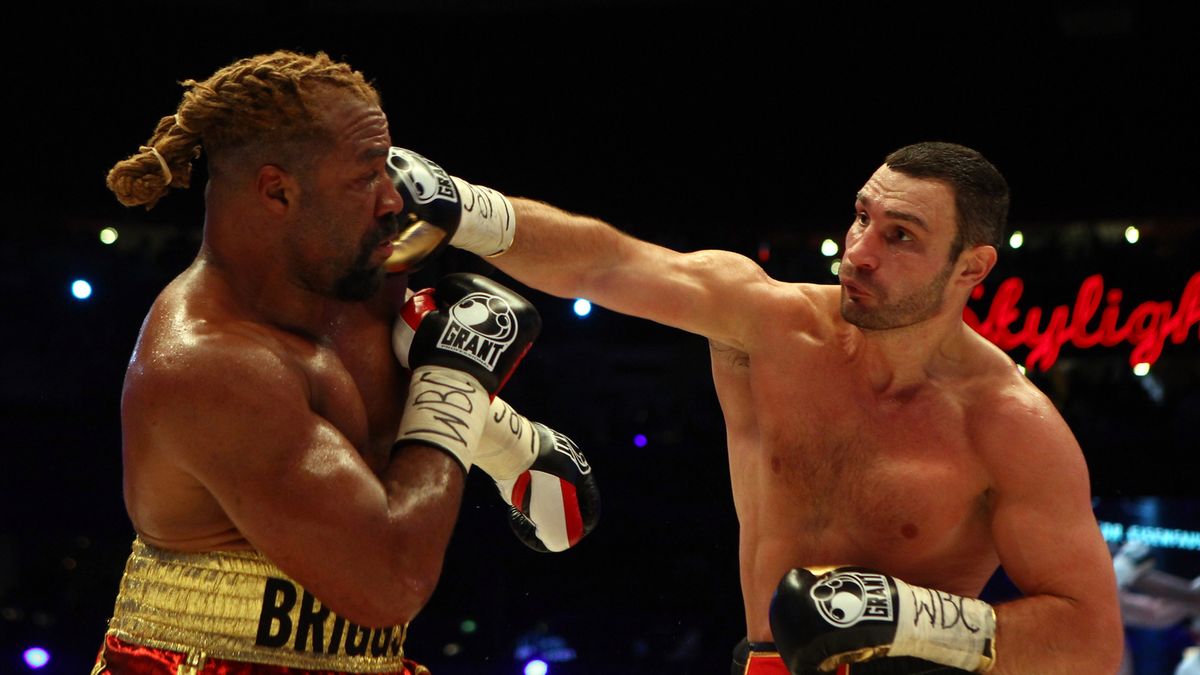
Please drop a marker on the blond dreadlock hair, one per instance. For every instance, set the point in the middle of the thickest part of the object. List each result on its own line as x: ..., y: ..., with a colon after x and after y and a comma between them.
x: 270, y: 98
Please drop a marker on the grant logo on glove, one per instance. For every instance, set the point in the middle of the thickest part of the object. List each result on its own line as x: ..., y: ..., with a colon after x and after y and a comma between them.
x: 425, y: 180
x: 481, y: 327
x: 846, y: 598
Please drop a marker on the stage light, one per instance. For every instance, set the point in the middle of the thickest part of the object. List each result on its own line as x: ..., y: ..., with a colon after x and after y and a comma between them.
x: 468, y: 626
x: 1132, y: 234
x: 639, y: 440
x: 36, y: 657
x: 1141, y: 369
x: 81, y: 289
x: 582, y: 307
x: 108, y: 235
x: 833, y: 269
x: 1017, y: 239
x: 537, y: 667
x: 829, y: 248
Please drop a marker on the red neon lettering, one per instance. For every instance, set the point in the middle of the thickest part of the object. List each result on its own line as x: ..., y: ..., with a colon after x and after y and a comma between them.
x: 1147, y: 328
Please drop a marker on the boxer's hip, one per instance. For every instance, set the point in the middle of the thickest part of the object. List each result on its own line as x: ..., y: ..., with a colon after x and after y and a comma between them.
x: 238, y: 606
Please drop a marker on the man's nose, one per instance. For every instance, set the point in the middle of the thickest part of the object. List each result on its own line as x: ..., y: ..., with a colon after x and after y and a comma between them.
x: 389, y: 202
x: 861, y: 250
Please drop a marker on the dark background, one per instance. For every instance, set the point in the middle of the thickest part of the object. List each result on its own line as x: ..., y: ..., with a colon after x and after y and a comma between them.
x: 695, y: 125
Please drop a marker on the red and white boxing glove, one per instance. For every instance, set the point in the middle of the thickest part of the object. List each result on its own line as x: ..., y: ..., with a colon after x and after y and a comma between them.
x: 550, y: 489
x: 461, y: 351
x: 552, y: 494
x: 821, y: 619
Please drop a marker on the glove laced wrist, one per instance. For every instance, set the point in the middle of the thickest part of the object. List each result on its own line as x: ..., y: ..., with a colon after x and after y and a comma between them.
x: 488, y: 222
x: 509, y: 444
x: 446, y: 409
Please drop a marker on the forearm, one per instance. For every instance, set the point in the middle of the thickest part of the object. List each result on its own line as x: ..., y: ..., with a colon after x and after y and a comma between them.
x: 1053, y: 635
x: 424, y: 489
x: 559, y: 252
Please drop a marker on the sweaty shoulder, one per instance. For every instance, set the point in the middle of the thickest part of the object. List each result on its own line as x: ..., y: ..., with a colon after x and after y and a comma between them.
x: 193, y: 327
x: 791, y: 311
x: 193, y: 354
x: 1015, y: 426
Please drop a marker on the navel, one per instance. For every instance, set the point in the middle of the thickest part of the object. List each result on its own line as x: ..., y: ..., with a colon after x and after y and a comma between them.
x: 909, y: 531
x: 776, y: 465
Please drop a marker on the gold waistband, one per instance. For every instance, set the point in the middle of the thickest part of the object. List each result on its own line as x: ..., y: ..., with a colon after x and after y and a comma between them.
x: 239, y: 606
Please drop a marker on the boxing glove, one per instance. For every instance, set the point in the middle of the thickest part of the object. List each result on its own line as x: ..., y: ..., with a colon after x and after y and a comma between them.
x: 550, y: 489
x: 440, y: 209
x: 853, y: 614
x: 546, y: 481
x: 464, y: 347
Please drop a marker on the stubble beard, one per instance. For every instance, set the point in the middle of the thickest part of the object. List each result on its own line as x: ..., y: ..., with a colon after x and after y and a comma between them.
x: 913, y: 308
x: 362, y: 280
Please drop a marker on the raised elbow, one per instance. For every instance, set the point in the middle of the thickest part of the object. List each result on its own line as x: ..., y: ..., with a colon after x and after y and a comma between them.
x: 394, y: 598
x: 405, y: 595
x: 1109, y: 643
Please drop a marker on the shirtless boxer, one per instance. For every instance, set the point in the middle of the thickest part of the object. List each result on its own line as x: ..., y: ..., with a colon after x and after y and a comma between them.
x: 292, y: 490
x: 870, y: 429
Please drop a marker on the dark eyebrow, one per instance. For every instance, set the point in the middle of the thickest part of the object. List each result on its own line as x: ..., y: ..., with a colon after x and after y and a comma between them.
x: 374, y: 153
x: 896, y: 215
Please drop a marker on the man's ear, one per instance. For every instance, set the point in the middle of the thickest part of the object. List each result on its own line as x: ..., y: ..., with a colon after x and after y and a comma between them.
x: 276, y: 188
x: 974, y: 264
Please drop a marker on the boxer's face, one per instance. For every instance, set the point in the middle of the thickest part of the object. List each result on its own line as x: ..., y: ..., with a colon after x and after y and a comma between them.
x: 348, y: 204
x: 895, y: 267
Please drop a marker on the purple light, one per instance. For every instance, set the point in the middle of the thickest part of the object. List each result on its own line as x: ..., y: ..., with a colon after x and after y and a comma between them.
x: 36, y: 657
x: 640, y: 441
x: 537, y: 667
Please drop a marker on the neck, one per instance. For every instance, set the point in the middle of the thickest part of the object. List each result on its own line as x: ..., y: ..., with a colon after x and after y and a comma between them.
x: 900, y: 359
x: 254, y: 271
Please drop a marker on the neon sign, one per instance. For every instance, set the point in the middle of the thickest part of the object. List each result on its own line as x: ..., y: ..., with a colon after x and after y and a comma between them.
x: 1158, y: 537
x: 1147, y: 327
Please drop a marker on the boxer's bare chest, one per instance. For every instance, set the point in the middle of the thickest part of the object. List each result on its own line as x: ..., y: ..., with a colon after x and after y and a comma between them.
x: 844, y: 474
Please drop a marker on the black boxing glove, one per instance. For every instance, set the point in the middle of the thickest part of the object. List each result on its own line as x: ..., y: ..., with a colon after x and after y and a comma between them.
x: 550, y: 489
x: 552, y: 495
x: 441, y: 209
x: 852, y: 614
x: 467, y: 322
x: 462, y: 341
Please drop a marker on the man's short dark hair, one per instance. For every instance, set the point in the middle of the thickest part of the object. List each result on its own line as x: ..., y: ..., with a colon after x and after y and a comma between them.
x: 980, y: 192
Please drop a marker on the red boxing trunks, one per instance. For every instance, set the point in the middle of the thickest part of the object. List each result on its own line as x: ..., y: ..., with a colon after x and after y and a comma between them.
x: 233, y: 612
x: 122, y: 658
x: 760, y: 658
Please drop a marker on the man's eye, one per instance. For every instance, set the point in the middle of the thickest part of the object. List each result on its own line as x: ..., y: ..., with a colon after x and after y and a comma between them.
x: 862, y: 217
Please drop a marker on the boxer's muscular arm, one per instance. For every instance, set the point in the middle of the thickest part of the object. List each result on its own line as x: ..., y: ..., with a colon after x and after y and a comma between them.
x: 711, y: 293
x: 1050, y: 546
x: 238, y: 418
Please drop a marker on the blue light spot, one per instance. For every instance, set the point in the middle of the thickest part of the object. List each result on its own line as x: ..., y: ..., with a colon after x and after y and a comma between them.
x: 536, y: 667
x: 640, y: 441
x: 36, y: 657
x: 582, y: 307
x: 81, y: 289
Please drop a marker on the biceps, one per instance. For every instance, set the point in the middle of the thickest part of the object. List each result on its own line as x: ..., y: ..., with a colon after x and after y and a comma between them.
x: 708, y: 293
x: 276, y: 482
x: 1048, y: 548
